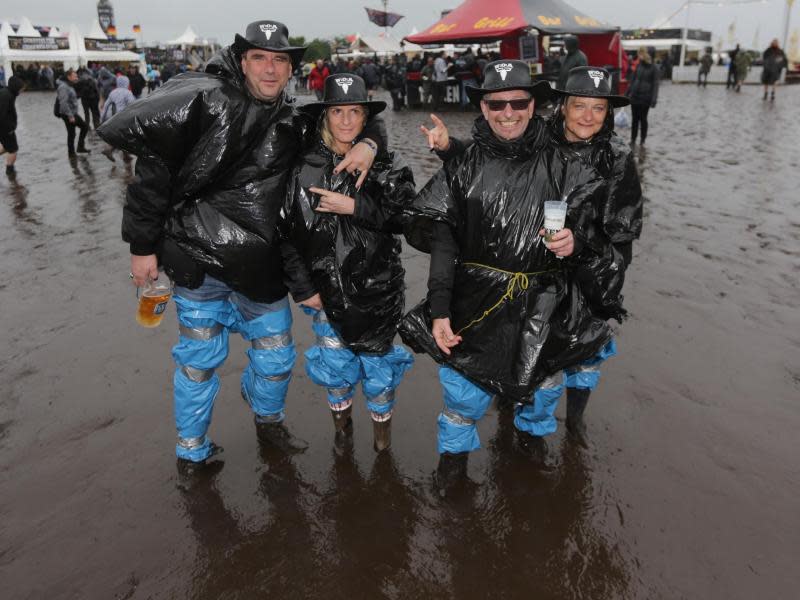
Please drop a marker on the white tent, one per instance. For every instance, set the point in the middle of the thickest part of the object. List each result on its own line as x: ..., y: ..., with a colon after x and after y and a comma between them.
x: 382, y: 45
x: 36, y: 54
x: 5, y: 31
x: 26, y: 29
x: 188, y: 38
x: 96, y: 32
x: 55, y: 32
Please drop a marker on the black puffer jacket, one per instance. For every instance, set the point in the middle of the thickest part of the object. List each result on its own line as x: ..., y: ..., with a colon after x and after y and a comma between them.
x: 353, y: 261
x: 517, y: 307
x: 643, y: 89
x: 618, y: 220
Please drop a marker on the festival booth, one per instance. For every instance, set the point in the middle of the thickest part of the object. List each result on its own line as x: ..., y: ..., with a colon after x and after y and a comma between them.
x: 96, y: 48
x: 26, y: 47
x: 190, y: 48
x: 382, y: 45
x: 524, y: 29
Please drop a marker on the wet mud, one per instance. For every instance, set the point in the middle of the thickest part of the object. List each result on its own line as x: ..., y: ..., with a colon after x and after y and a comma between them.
x: 688, y: 488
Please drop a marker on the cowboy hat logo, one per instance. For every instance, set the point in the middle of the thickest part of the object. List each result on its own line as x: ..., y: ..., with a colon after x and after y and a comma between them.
x: 268, y: 29
x: 344, y: 83
x: 597, y: 77
x: 503, y: 69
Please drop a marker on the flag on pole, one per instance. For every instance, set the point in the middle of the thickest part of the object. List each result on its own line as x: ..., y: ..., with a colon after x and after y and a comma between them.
x: 382, y: 18
x: 111, y: 31
x: 732, y: 32
x: 137, y: 29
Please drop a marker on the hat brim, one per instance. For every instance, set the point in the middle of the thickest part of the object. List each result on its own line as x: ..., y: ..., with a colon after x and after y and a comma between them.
x: 540, y: 91
x: 315, y: 108
x: 295, y: 52
x: 613, y: 101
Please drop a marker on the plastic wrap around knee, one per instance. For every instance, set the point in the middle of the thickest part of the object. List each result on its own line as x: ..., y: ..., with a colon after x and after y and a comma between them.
x: 456, y: 437
x: 461, y: 396
x: 539, y: 418
x: 203, y: 340
x: 382, y: 376
x: 587, y: 375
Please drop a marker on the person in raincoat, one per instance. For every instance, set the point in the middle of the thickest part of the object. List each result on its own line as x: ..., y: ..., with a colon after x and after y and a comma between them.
x: 643, y: 93
x: 345, y: 238
x: 583, y: 126
x: 214, y: 150
x: 116, y: 102
x: 774, y: 62
x: 743, y: 62
x: 504, y: 315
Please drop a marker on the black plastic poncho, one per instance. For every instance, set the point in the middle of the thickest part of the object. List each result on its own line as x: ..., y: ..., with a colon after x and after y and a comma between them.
x: 353, y: 261
x: 618, y: 220
x: 517, y: 307
x: 211, y: 178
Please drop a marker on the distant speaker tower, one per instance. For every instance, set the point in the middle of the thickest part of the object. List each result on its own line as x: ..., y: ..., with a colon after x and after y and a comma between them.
x: 105, y: 14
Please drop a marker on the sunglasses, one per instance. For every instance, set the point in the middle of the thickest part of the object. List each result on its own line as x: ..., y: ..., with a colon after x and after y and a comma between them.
x: 498, y: 105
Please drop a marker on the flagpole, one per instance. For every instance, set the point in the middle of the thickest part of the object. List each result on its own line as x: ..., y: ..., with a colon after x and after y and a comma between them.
x: 385, y: 17
x: 786, y: 20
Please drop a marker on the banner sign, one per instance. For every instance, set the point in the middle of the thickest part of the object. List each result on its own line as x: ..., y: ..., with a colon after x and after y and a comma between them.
x: 109, y: 45
x: 16, y: 42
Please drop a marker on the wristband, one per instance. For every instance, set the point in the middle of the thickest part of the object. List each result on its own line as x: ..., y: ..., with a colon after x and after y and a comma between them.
x: 370, y: 144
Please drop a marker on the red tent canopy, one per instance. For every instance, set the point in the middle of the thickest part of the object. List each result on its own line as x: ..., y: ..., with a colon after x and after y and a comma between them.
x: 478, y: 21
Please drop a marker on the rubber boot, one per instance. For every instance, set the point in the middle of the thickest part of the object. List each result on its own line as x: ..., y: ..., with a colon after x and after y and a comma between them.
x: 343, y: 421
x: 772, y: 97
x: 765, y: 96
x: 450, y: 472
x: 533, y: 446
x: 11, y: 171
x: 277, y: 436
x: 382, y: 434
x: 576, y: 405
x: 189, y: 468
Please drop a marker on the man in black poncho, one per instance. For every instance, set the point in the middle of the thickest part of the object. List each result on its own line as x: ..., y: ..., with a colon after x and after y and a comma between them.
x: 504, y: 313
x: 214, y: 152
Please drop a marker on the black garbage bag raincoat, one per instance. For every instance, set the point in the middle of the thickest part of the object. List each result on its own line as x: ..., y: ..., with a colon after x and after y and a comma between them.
x: 618, y: 220
x: 517, y: 307
x: 211, y: 178
x: 352, y: 261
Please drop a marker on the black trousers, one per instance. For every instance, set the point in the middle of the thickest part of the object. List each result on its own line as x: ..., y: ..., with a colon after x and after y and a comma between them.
x: 731, y: 82
x: 80, y: 124
x: 91, y: 112
x: 639, y: 113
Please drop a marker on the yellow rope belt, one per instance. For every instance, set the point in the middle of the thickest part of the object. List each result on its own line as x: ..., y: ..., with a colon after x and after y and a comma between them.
x: 516, y: 285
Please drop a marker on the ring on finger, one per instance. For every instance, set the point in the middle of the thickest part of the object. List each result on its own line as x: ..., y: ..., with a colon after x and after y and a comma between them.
x: 130, y: 275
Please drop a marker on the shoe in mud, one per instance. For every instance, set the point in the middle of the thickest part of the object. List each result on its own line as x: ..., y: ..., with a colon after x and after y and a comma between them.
x: 190, y: 468
x: 277, y: 436
x: 382, y: 434
x: 577, y: 400
x: 109, y: 154
x: 451, y: 473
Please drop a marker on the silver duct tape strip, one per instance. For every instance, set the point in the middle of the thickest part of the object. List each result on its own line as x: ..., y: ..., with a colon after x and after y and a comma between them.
x: 326, y: 341
x: 268, y: 419
x: 586, y: 369
x: 201, y: 334
x: 340, y: 406
x: 340, y: 392
x: 281, y: 377
x: 190, y: 443
x: 197, y: 375
x: 272, y: 342
x: 321, y: 317
x: 553, y: 381
x: 384, y: 398
x: 457, y: 419
x: 380, y: 418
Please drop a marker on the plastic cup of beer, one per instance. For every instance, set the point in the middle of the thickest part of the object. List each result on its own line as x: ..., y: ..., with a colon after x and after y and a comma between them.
x: 153, y: 301
x: 555, y: 215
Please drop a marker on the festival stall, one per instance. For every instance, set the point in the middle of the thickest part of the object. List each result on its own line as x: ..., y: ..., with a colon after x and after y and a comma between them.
x: 190, y: 48
x: 96, y: 48
x: 26, y: 48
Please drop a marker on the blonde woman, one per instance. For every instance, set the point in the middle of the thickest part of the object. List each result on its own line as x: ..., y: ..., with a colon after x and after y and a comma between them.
x: 643, y: 92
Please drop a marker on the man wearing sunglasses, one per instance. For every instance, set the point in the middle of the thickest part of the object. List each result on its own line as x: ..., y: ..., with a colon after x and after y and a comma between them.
x: 503, y: 314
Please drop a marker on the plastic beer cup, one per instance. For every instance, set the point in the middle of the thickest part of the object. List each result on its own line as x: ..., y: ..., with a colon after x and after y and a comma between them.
x: 153, y: 301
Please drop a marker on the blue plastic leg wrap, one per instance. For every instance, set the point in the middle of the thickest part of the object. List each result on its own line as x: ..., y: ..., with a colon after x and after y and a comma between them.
x: 539, y: 418
x: 265, y: 381
x: 464, y: 404
x: 202, y: 347
x: 382, y: 375
x: 586, y: 376
x: 331, y: 364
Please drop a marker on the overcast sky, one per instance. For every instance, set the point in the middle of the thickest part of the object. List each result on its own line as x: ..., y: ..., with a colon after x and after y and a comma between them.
x: 164, y: 19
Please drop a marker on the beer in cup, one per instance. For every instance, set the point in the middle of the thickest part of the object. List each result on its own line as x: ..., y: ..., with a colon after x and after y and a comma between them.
x: 555, y: 214
x: 153, y: 300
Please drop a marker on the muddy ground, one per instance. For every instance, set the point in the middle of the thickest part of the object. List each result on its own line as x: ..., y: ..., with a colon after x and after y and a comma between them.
x: 688, y: 490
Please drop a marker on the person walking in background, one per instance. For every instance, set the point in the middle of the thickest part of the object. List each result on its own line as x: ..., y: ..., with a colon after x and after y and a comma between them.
x: 731, y: 81
x: 643, y: 92
x: 137, y: 82
x: 86, y: 88
x: 117, y: 101
x: 396, y: 83
x: 774, y: 62
x: 743, y: 62
x: 316, y: 78
x: 439, y: 80
x: 574, y: 58
x: 106, y: 82
x: 705, y: 68
x: 68, y: 111
x: 8, y: 122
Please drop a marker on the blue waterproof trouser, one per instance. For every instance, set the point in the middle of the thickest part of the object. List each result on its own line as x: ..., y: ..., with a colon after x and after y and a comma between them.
x: 465, y: 403
x: 206, y: 316
x: 332, y: 365
x: 586, y: 375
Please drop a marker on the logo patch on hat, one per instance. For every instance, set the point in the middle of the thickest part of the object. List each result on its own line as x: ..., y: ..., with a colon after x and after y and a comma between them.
x: 268, y: 29
x: 503, y: 69
x: 344, y: 83
x: 597, y: 77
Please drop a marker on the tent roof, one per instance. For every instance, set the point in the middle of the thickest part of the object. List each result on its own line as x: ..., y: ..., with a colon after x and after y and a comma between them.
x: 26, y: 29
x: 486, y: 20
x: 383, y: 44
x: 96, y: 32
x: 187, y: 38
x: 55, y: 32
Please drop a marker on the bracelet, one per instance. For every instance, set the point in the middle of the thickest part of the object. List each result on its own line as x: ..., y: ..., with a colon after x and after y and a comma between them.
x: 370, y: 144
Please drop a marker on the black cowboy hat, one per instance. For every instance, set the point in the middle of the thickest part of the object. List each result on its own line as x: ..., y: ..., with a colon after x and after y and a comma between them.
x: 504, y: 75
x: 341, y: 89
x: 271, y: 36
x: 591, y: 82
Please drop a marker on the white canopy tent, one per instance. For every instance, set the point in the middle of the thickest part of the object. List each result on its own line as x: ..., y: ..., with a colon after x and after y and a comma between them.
x: 26, y: 29
x: 381, y: 45
x: 188, y: 38
x: 35, y: 52
x: 96, y: 32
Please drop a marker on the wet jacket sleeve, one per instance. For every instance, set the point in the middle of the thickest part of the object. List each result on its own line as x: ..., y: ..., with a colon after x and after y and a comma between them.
x: 656, y: 80
x: 388, y: 192
x: 147, y: 204
x: 8, y: 115
x: 296, y: 276
x: 456, y: 148
x: 375, y: 129
x: 623, y: 209
x: 444, y: 254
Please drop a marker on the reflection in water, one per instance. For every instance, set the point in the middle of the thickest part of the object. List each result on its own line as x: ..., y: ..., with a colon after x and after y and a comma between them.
x: 529, y: 531
x: 18, y: 194
x: 85, y: 186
